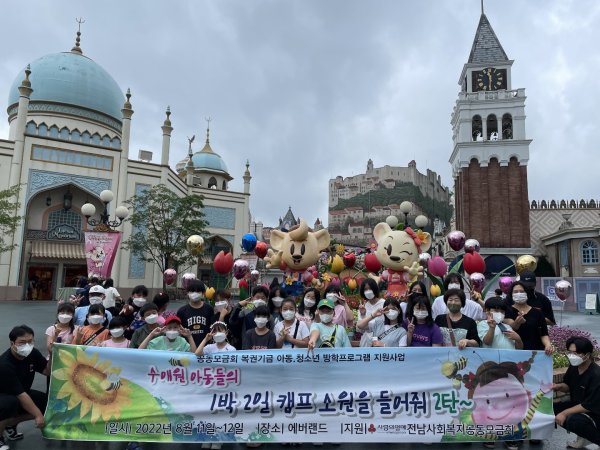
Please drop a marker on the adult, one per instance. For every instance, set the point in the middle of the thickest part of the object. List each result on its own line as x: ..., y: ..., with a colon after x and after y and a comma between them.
x: 18, y: 402
x: 535, y: 299
x: 82, y: 292
x: 473, y: 306
x: 581, y: 414
x: 458, y: 330
x: 369, y: 291
x: 111, y: 297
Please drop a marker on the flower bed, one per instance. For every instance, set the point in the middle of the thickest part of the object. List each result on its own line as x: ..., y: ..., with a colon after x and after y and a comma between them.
x: 559, y: 336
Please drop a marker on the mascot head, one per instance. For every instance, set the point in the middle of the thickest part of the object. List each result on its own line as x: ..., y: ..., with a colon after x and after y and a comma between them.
x: 300, y: 248
x: 398, y: 249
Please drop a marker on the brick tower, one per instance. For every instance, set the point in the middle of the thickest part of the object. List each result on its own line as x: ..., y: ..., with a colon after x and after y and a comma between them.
x: 490, y: 152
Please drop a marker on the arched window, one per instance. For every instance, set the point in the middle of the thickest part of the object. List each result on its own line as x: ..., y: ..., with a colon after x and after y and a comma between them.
x: 492, y: 128
x: 212, y: 183
x: 96, y: 139
x: 31, y: 128
x: 507, y: 126
x: 476, y: 129
x: 54, y: 131
x: 106, y: 141
x: 116, y: 143
x: 62, y: 217
x: 85, y: 137
x: 224, y: 185
x: 589, y: 252
x: 43, y: 130
x: 75, y: 135
x: 64, y: 133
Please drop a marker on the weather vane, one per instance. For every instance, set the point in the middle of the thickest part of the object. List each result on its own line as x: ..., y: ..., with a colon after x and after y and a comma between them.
x: 208, y: 120
x: 79, y: 21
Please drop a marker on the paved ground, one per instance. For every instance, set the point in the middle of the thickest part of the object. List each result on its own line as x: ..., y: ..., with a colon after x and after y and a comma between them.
x: 40, y: 315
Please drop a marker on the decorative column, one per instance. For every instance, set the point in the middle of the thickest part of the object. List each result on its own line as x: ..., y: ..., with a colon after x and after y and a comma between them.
x: 166, y: 145
x: 247, y: 178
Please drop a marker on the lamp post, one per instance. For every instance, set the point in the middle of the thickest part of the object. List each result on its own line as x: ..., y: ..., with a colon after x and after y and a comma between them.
x: 421, y: 222
x: 104, y: 224
x: 406, y: 207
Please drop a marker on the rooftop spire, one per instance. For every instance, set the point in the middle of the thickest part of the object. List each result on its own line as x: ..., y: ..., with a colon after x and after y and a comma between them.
x: 77, y: 48
x: 486, y: 46
x: 127, y: 104
x: 247, y: 168
x: 26, y: 81
x: 208, y: 120
x: 167, y: 120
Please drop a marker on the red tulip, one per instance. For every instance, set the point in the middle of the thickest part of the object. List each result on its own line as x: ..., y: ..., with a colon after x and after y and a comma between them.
x: 308, y: 277
x: 261, y: 250
x: 473, y: 263
x: 437, y: 266
x: 372, y: 263
x: 243, y: 284
x: 315, y: 274
x: 349, y: 260
x: 223, y: 262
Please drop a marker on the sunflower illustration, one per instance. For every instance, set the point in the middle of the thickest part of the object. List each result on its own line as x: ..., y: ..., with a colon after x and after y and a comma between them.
x: 96, y: 386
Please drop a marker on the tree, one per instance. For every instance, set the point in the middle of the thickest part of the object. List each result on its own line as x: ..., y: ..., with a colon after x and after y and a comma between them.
x: 544, y: 268
x: 162, y: 222
x: 9, y: 220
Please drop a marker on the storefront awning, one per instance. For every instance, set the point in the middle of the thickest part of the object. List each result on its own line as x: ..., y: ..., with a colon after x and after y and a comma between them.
x: 58, y: 250
x: 205, y: 259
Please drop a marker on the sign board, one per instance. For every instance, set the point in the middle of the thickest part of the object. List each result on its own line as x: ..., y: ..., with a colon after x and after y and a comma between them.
x: 63, y: 233
x: 251, y: 258
x: 592, y: 305
x: 100, y: 251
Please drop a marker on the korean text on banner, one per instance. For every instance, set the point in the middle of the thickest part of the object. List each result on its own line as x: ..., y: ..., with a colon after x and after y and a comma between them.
x: 342, y: 395
x: 100, y: 251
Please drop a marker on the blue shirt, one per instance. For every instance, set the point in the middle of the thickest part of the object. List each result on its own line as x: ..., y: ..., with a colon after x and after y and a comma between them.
x: 500, y: 339
x: 82, y: 312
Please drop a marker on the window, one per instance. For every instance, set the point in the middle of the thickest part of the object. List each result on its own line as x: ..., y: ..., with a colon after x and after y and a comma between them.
x: 64, y: 134
x: 71, y: 158
x: 106, y: 141
x: 62, y: 217
x: 116, y: 143
x: 54, y: 131
x: 589, y: 252
x: 96, y: 139
x: 43, y: 130
x: 564, y: 257
x: 75, y: 136
x: 85, y: 137
x: 31, y: 128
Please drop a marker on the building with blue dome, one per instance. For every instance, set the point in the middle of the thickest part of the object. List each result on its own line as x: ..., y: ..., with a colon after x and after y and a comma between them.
x: 69, y: 134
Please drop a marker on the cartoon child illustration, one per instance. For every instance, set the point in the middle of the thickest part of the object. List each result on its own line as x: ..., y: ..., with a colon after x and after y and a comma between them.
x: 97, y: 256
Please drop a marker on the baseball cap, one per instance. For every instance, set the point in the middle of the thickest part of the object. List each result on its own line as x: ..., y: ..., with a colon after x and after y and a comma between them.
x: 326, y: 302
x: 172, y: 319
x: 97, y: 290
x: 528, y: 278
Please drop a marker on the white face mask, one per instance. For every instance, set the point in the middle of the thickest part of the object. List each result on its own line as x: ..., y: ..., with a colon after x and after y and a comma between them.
x: 220, y: 337
x: 139, y: 302
x: 258, y: 302
x: 195, y: 296
x: 498, y: 317
x: 151, y: 319
x: 420, y: 314
x: 277, y: 301
x: 326, y: 318
x: 95, y: 319
x: 392, y: 314
x: 369, y: 295
x: 172, y: 334
x: 520, y: 297
x: 117, y: 332
x: 64, y: 318
x: 95, y: 300
x: 24, y: 350
x: 309, y: 303
x: 575, y: 360
x: 219, y: 306
x: 330, y: 296
x: 454, y: 286
x: 261, y: 322
x: 288, y: 315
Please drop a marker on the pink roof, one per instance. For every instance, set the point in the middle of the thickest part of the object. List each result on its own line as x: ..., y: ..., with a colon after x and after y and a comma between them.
x: 354, y: 208
x: 337, y: 213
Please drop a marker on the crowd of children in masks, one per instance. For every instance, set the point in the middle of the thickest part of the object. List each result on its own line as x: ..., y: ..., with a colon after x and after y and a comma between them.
x: 275, y: 321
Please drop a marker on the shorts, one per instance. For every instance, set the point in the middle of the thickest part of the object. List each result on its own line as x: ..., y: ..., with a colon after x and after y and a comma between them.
x: 9, y: 406
x: 39, y: 398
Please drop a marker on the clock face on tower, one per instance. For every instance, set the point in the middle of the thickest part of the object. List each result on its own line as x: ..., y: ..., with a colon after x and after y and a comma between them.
x: 489, y: 79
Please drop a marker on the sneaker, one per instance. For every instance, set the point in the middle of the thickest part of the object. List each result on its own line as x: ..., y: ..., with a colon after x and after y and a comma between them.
x: 12, y: 434
x: 489, y: 444
x: 578, y: 443
x: 512, y: 445
x: 3, y: 445
x: 216, y: 446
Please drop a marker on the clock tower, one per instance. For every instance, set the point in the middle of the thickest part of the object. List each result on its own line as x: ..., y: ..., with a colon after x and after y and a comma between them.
x: 490, y: 150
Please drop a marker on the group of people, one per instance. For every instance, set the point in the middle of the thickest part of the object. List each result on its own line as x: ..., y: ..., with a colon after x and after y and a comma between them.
x: 269, y: 319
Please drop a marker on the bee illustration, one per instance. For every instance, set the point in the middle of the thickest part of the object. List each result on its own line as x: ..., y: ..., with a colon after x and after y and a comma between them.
x: 182, y: 362
x: 112, y: 382
x: 451, y: 367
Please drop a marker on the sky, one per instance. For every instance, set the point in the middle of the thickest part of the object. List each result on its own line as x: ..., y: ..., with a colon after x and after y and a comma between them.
x: 308, y: 90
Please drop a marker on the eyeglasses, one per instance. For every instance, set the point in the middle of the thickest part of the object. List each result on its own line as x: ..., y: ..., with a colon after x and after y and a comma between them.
x: 19, y: 343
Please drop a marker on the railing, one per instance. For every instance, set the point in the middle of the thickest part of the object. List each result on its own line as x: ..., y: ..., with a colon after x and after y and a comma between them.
x: 495, y: 95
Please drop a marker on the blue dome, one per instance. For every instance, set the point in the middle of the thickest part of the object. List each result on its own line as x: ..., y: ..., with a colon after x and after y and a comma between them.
x: 206, y: 160
x: 73, y: 79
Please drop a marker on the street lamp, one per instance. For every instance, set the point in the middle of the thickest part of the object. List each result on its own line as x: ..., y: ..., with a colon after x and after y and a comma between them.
x: 406, y: 207
x: 104, y: 224
x: 421, y: 222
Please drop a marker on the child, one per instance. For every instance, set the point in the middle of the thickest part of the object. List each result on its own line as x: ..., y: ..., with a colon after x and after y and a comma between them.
x: 308, y: 307
x: 369, y: 291
x: 131, y: 311
x: 495, y: 334
x: 276, y: 297
x: 260, y: 337
x: 96, y: 297
x: 385, y: 324
x: 343, y: 316
x: 196, y: 315
x: 161, y: 300
x: 64, y: 330
x: 175, y: 339
x: 326, y: 334
x: 218, y: 333
x: 421, y: 331
x: 95, y: 333
x: 222, y: 306
x: 291, y: 333
x: 260, y: 294
x: 149, y: 314
x: 117, y: 328
x: 111, y: 297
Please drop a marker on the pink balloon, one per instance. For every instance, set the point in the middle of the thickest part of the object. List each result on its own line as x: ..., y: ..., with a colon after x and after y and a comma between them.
x: 169, y: 276
x: 477, y: 281
x: 186, y: 279
x: 254, y: 275
x: 437, y: 266
x: 505, y: 283
x: 240, y: 268
x: 456, y: 240
x: 563, y: 289
x: 385, y: 275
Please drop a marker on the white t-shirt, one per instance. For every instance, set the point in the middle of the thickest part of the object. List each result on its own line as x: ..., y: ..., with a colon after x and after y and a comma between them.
x: 305, y: 318
x: 370, y: 310
x: 110, y: 294
x: 471, y: 309
x: 212, y: 348
x: 303, y: 332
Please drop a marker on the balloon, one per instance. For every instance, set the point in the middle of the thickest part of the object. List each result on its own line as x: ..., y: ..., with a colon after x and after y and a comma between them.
x: 337, y: 265
x: 392, y: 221
x: 243, y: 284
x: 472, y: 245
x: 210, y: 293
x: 169, y: 276
x: 435, y: 290
x: 372, y: 263
x: 195, y: 244
x: 385, y: 275
x: 473, y: 263
x: 261, y: 250
x: 349, y: 260
x: 352, y: 284
x: 424, y: 259
x: 240, y: 268
x: 249, y: 242
x: 186, y: 279
x: 477, y: 281
x: 563, y: 289
x: 456, y: 240
x: 254, y: 276
x: 437, y: 266
x: 335, y: 281
x: 505, y: 283
x: 526, y: 262
x: 223, y: 262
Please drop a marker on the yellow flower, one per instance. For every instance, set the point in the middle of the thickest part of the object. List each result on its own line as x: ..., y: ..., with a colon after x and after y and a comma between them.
x: 210, y: 292
x: 289, y: 280
x: 422, y: 236
x: 352, y: 284
x: 340, y: 249
x: 326, y: 277
x: 435, y: 290
x: 96, y: 386
x: 337, y: 265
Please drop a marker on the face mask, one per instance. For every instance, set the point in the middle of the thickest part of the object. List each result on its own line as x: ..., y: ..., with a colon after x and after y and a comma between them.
x: 95, y: 300
x: 220, y: 337
x: 326, y: 318
x: 117, y: 332
x: 288, y: 315
x: 220, y: 305
x: 369, y: 295
x: 454, y: 286
x: 95, y: 319
x: 195, y: 296
x: 520, y: 297
x: 392, y: 315
x: 64, y: 318
x: 259, y: 302
x: 575, y: 360
x: 261, y: 322
x: 454, y: 308
x: 330, y: 296
x: 498, y: 317
x: 277, y: 301
x: 151, y: 319
x: 420, y: 314
x: 24, y: 350
x: 172, y: 334
x: 308, y: 302
x: 139, y: 302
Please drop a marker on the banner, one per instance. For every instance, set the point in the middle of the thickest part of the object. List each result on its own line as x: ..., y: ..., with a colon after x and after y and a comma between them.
x: 100, y: 251
x: 337, y: 395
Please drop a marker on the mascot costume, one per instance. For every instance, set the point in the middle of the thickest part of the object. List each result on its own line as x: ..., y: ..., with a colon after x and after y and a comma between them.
x: 297, y: 250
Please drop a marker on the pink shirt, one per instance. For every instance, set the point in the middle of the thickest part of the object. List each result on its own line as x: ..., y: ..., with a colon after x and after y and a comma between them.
x: 113, y: 344
x: 340, y: 317
x: 66, y: 337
